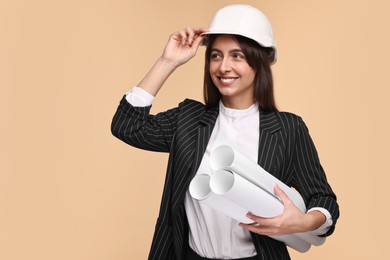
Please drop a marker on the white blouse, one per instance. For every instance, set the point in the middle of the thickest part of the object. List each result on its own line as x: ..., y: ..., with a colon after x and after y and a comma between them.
x: 212, y: 233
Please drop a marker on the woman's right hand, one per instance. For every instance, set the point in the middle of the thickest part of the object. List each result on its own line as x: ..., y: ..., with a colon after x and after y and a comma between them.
x: 182, y: 46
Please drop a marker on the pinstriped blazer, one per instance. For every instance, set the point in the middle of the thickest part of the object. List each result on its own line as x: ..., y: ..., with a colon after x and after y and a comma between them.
x: 285, y: 150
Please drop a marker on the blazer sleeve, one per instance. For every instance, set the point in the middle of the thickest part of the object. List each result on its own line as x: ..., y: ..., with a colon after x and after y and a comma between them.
x: 136, y: 127
x: 310, y: 179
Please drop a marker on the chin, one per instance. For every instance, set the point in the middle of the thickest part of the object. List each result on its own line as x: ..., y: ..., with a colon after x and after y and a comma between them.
x: 226, y: 93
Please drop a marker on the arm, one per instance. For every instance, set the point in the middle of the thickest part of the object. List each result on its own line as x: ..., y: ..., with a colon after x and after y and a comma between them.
x: 310, y: 181
x: 181, y: 47
x: 133, y: 124
x: 292, y: 220
x: 310, y: 178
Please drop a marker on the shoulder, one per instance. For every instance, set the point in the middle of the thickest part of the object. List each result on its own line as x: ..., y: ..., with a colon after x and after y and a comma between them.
x: 190, y: 104
x: 289, y: 118
x: 287, y: 121
x: 192, y: 112
x: 196, y: 108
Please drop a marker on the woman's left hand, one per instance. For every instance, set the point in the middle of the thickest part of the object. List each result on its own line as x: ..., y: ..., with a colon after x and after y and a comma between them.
x: 292, y: 220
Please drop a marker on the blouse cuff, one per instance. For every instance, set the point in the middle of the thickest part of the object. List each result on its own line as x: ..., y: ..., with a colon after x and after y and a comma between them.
x: 328, y: 222
x: 139, y: 97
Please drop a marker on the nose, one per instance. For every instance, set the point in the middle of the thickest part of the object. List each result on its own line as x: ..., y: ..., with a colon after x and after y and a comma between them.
x: 225, y: 65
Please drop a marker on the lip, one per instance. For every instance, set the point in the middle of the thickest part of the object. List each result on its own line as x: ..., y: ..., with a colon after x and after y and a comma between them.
x: 227, y: 81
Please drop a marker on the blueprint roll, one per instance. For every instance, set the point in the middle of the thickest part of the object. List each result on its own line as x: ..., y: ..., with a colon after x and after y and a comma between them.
x: 235, y: 188
x: 294, y: 242
x: 227, y: 158
x: 200, y: 190
x: 311, y: 238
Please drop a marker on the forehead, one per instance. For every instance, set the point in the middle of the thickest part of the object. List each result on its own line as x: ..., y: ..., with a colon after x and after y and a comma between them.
x: 226, y: 42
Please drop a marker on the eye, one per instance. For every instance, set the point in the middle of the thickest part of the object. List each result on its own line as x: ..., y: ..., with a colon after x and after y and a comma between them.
x: 238, y: 56
x: 216, y: 56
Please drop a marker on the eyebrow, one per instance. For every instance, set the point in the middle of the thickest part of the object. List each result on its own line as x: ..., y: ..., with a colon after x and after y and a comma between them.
x: 230, y: 51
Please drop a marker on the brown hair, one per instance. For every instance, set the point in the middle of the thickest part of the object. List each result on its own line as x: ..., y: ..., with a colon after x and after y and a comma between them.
x: 259, y: 59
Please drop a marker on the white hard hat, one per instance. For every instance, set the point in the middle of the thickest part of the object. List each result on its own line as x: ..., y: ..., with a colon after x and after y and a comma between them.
x: 244, y: 20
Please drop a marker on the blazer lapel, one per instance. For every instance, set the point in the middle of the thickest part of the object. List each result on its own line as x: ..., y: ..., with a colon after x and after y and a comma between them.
x: 268, y: 140
x: 205, y: 128
x: 203, y: 135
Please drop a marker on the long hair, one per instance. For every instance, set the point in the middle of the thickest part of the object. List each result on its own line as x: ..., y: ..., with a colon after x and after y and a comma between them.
x: 259, y: 59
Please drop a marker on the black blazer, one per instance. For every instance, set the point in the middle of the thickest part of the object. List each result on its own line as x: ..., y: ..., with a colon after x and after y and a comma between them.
x: 285, y: 150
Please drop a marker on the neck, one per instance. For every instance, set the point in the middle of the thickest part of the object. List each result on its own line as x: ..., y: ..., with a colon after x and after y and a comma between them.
x: 236, y: 104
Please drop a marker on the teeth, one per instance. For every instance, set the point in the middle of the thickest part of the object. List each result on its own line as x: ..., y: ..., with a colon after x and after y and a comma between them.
x: 227, y: 80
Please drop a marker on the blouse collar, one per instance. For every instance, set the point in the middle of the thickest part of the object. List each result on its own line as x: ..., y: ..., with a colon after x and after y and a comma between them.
x: 238, y: 113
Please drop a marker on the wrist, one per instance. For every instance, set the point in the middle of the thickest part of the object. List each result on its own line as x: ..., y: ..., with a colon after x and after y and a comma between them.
x: 314, y: 220
x: 168, y: 64
x: 156, y: 77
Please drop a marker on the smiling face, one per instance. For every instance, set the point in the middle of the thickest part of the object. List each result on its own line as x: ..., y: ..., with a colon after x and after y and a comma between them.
x: 231, y: 73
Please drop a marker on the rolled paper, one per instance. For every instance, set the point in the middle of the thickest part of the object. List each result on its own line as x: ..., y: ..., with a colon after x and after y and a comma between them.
x: 200, y: 190
x: 227, y: 158
x: 238, y: 186
x: 244, y: 193
x: 311, y: 238
x: 294, y: 242
x: 257, y: 201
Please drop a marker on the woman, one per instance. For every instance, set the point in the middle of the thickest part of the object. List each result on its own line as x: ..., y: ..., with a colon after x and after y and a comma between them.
x: 239, y: 104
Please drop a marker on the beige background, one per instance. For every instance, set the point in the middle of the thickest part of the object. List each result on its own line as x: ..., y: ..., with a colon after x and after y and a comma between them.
x: 70, y: 190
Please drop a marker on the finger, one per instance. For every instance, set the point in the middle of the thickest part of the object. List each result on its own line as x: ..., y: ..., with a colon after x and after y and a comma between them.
x: 281, y: 194
x: 190, y: 37
x: 198, y: 39
x: 258, y: 220
x: 178, y: 36
x: 194, y: 35
x: 200, y: 30
x: 256, y: 228
x: 253, y: 217
x: 183, y: 36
